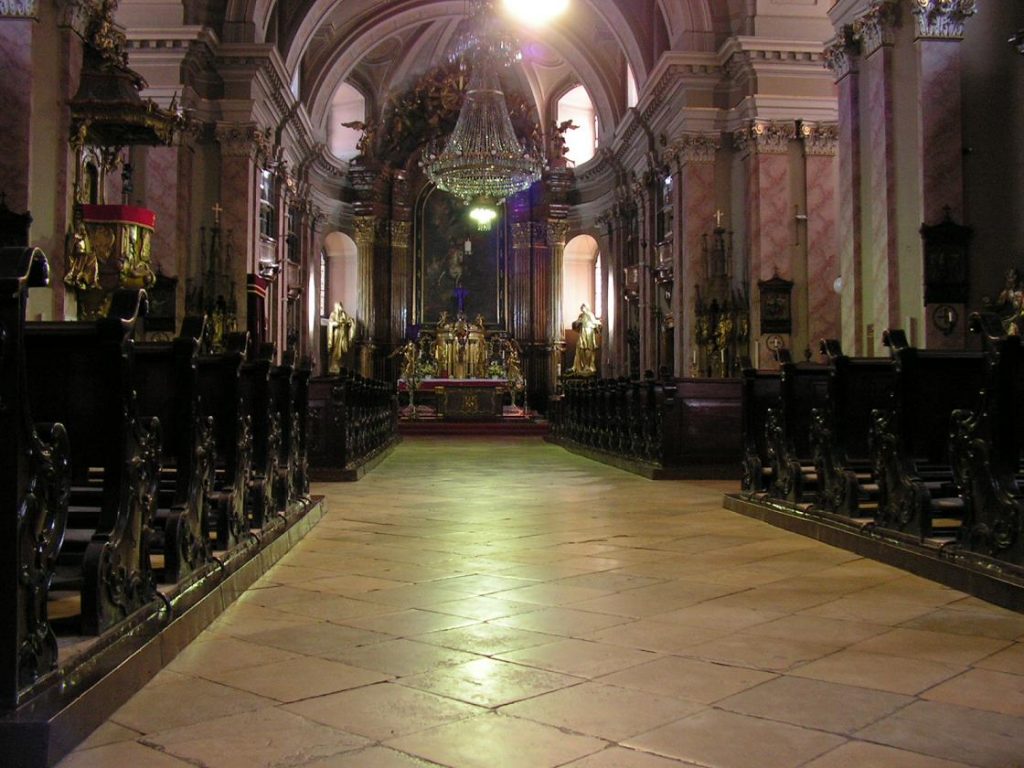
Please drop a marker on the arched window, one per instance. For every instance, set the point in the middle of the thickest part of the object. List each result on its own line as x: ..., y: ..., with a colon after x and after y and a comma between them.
x: 342, y: 272
x: 577, y: 106
x: 580, y: 283
x: 632, y: 94
x: 347, y: 105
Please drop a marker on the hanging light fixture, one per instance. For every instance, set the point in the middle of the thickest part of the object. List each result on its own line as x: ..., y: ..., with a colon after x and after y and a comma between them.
x: 482, y: 159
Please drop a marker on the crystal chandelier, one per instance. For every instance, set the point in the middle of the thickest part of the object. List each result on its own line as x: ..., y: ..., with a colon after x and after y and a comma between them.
x: 483, y: 158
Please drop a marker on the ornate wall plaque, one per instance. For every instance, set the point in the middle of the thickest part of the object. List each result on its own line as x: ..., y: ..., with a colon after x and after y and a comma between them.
x: 946, y: 272
x: 776, y: 305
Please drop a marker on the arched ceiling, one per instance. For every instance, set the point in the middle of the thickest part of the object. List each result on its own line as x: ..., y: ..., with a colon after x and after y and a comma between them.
x: 381, y: 46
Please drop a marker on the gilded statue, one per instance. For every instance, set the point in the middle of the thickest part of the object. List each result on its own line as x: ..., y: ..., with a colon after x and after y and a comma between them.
x: 83, y: 270
x: 410, y: 356
x: 589, y: 328
x: 1011, y: 299
x: 340, y: 331
x: 513, y: 363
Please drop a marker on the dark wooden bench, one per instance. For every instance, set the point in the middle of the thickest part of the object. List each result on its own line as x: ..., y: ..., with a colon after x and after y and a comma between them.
x: 167, y: 384
x: 35, y: 480
x: 910, y: 440
x: 802, y: 388
x: 840, y: 431
x: 760, y: 393
x: 81, y: 376
x: 300, y: 407
x: 221, y: 399
x: 283, y: 381
x: 261, y: 504
x: 985, y: 450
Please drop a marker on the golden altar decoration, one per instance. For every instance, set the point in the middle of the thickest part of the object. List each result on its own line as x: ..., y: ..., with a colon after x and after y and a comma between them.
x: 109, y: 248
x: 462, y: 349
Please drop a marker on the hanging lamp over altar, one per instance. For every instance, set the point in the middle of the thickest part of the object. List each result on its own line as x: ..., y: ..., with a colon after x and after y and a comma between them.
x: 483, y: 159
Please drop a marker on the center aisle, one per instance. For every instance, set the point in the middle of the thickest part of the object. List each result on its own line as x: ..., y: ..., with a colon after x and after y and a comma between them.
x: 506, y: 604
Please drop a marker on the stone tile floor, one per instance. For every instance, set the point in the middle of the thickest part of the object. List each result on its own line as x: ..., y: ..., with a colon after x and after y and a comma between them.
x: 499, y: 604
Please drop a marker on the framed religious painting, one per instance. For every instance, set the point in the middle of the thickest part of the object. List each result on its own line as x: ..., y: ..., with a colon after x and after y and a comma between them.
x: 776, y: 305
x: 457, y: 267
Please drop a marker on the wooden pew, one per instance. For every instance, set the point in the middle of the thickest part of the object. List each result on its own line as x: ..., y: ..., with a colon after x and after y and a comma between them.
x: 760, y: 394
x: 221, y: 398
x: 910, y: 440
x: 261, y: 504
x: 283, y: 380
x: 35, y: 480
x: 300, y: 407
x: 985, y: 450
x: 81, y: 376
x: 802, y: 388
x: 841, y: 427
x: 166, y: 381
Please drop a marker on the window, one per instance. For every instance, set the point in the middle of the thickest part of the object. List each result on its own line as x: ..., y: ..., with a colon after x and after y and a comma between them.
x: 347, y: 105
x: 632, y: 95
x: 581, y: 141
x: 325, y: 309
x: 293, y: 241
x: 268, y: 204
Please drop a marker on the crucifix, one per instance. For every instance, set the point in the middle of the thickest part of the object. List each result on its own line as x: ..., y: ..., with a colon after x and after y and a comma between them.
x: 718, y: 219
x: 217, y: 210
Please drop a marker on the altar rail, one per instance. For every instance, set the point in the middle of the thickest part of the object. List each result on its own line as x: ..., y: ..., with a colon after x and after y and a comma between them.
x: 352, y: 422
x: 660, y: 428
x: 128, y: 500
x: 921, y: 449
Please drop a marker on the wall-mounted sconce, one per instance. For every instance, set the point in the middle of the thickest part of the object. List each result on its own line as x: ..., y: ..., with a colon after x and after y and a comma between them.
x: 798, y: 219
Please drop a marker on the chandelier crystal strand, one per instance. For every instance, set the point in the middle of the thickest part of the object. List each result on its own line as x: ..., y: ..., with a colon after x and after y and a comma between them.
x: 483, y: 157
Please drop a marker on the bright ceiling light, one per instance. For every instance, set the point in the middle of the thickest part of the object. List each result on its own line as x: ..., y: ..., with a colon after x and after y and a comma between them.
x: 535, y: 13
x: 483, y: 212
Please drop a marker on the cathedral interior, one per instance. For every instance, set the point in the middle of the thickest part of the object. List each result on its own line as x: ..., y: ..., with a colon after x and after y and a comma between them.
x: 758, y: 251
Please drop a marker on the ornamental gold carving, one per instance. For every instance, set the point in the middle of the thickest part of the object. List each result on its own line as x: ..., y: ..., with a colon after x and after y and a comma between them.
x: 943, y: 19
x: 244, y: 140
x: 820, y: 139
x: 366, y: 231
x: 765, y: 137
x: 696, y: 148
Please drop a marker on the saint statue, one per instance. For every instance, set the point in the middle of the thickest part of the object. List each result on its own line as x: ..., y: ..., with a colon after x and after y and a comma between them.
x: 340, y: 330
x: 588, y: 327
x: 83, y: 268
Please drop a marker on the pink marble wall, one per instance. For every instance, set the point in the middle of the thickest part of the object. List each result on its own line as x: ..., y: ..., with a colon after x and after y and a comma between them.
x: 771, y: 228
x: 883, y: 255
x: 822, y: 248
x: 163, y: 195
x: 697, y: 206
x: 16, y: 115
x: 239, y: 200
x: 850, y: 222
x: 941, y: 138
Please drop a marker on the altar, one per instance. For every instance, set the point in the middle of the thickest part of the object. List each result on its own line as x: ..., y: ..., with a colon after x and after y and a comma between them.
x: 460, y: 399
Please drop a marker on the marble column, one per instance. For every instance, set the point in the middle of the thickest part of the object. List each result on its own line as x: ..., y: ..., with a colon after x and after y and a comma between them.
x: 241, y: 146
x: 939, y: 32
x: 16, y: 115
x: 558, y: 230
x: 694, y: 216
x: 769, y: 213
x: 168, y: 191
x: 643, y: 195
x: 876, y: 32
x: 401, y: 266
x: 820, y: 145
x: 842, y: 56
x: 366, y: 319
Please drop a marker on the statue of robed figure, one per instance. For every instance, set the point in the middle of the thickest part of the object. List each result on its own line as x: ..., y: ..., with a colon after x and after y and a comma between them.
x: 589, y: 328
x: 340, y: 331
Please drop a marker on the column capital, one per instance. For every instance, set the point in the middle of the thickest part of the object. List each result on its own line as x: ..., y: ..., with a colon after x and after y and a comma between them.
x: 366, y: 230
x: 401, y: 232
x: 842, y: 53
x: 765, y: 137
x: 19, y: 9
x: 695, y: 148
x: 244, y: 140
x: 820, y: 139
x: 876, y: 28
x: 942, y: 19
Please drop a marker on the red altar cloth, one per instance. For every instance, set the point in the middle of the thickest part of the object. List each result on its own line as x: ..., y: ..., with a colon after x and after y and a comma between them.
x: 119, y: 214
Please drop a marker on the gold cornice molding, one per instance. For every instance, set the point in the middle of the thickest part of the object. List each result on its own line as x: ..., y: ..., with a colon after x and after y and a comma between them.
x: 695, y: 148
x: 765, y: 137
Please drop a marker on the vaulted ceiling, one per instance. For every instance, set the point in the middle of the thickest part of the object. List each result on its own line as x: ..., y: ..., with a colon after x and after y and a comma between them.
x: 381, y: 46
